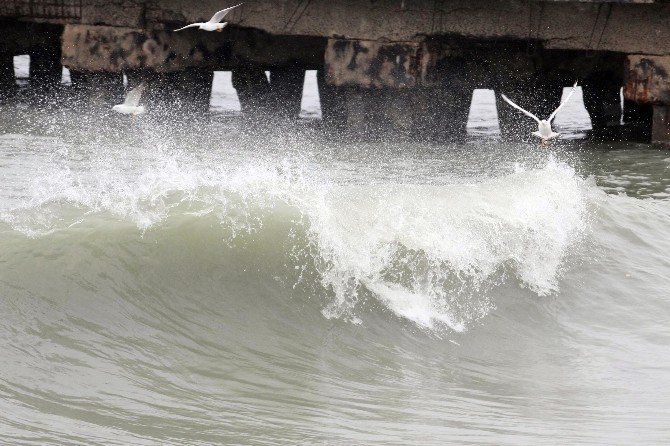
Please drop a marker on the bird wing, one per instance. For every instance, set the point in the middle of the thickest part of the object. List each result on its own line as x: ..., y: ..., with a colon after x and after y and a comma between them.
x: 525, y: 112
x: 133, y: 97
x: 553, y: 115
x: 216, y: 18
x: 192, y: 25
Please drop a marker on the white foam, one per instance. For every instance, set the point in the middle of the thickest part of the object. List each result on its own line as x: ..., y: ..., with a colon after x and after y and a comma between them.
x: 456, y: 240
x: 419, y: 308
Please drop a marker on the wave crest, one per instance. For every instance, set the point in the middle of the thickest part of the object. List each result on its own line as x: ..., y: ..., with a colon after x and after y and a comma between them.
x: 428, y: 253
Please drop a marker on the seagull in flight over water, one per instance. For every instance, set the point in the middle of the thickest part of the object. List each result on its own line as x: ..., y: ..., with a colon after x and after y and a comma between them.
x: 131, y: 105
x: 213, y: 24
x: 544, y: 131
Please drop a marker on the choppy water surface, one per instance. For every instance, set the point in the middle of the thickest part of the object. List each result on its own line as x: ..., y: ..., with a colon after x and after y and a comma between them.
x: 191, y: 282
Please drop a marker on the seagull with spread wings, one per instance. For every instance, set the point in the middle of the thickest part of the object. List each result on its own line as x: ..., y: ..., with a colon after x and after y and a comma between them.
x: 131, y: 105
x: 544, y: 131
x: 213, y: 23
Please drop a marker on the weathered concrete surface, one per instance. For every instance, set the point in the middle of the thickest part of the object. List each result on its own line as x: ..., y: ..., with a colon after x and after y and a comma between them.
x: 624, y: 26
x: 561, y: 25
x: 114, y: 49
x: 620, y: 26
x: 373, y: 64
x: 647, y: 79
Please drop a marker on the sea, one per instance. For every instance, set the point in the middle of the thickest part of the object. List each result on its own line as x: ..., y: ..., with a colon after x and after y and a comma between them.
x: 194, y: 280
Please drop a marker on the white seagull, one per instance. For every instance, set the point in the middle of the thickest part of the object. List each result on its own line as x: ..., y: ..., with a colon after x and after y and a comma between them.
x: 544, y: 131
x: 131, y: 105
x: 213, y: 24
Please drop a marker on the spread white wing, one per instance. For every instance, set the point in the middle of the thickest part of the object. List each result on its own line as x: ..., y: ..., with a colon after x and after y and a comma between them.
x: 192, y: 25
x: 134, y: 96
x: 553, y: 115
x: 525, y: 112
x: 216, y: 18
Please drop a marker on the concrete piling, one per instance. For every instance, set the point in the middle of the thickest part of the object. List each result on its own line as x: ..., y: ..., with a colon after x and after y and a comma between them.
x: 276, y: 98
x: 187, y: 91
x: 46, y: 71
x: 7, y: 77
x: 333, y: 113
x: 637, y: 118
x: 603, y: 103
x: 660, y: 129
x: 287, y: 85
x: 253, y: 90
x: 97, y: 89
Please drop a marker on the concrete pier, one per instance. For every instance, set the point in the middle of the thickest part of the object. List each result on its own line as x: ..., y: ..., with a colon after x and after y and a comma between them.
x: 404, y: 69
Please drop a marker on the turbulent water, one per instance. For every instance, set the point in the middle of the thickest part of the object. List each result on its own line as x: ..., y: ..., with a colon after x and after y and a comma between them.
x: 182, y: 281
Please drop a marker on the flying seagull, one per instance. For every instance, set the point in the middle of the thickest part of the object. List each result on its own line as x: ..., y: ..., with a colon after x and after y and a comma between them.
x: 213, y: 24
x: 131, y: 105
x: 544, y: 131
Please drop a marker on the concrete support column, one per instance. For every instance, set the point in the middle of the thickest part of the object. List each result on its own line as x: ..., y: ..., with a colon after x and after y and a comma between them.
x: 364, y: 113
x: 46, y: 71
x: 660, y: 129
x: 603, y: 102
x: 7, y: 77
x: 100, y: 89
x: 279, y: 97
x: 444, y: 98
x: 287, y: 86
x: 333, y: 104
x: 637, y: 120
x: 187, y: 91
x: 420, y: 113
x: 446, y: 112
x: 253, y: 90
